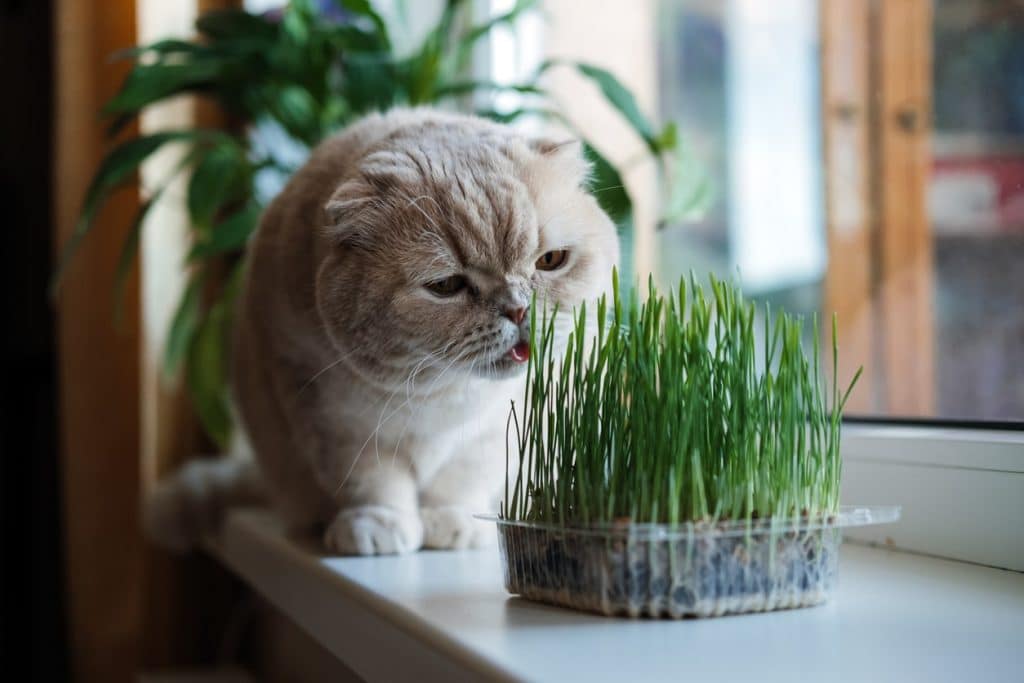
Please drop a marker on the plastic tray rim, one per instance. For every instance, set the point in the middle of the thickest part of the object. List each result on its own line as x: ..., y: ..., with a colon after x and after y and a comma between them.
x: 845, y: 517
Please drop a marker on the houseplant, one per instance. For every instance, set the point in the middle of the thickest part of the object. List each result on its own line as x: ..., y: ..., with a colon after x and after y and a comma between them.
x: 305, y: 72
x: 674, y: 465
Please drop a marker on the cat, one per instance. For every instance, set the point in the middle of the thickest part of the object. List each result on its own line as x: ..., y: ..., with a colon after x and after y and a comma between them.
x: 382, y: 330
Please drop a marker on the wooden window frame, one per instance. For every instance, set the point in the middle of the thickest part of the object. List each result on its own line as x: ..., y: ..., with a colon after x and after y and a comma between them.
x: 876, y: 89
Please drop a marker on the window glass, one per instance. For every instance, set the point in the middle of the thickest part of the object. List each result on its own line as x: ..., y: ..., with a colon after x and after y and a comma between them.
x: 865, y: 158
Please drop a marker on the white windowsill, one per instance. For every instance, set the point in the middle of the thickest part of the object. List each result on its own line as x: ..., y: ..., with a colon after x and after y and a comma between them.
x: 445, y: 616
x: 962, y: 490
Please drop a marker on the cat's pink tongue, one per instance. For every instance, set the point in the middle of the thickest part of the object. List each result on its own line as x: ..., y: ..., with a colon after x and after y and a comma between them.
x: 520, y: 353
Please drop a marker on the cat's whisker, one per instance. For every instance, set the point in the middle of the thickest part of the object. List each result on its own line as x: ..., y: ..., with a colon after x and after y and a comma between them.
x: 381, y: 420
x: 359, y: 454
x: 410, y: 381
x: 462, y: 354
x: 351, y: 469
x: 599, y: 190
x: 473, y: 349
x: 330, y: 366
x: 408, y: 395
x: 429, y: 356
x: 472, y: 367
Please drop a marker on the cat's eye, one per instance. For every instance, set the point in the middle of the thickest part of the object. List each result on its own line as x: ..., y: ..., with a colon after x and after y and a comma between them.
x: 449, y: 286
x: 552, y: 260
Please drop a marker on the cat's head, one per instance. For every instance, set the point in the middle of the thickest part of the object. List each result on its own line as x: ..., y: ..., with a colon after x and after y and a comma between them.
x: 438, y: 243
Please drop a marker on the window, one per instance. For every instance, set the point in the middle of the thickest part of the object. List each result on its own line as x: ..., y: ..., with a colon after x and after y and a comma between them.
x: 862, y: 157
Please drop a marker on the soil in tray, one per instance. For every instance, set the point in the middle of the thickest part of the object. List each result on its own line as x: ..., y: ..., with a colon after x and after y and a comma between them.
x: 704, y: 574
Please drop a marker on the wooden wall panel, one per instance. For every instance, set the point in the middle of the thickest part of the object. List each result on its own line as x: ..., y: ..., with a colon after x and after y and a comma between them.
x: 131, y: 607
x: 98, y: 361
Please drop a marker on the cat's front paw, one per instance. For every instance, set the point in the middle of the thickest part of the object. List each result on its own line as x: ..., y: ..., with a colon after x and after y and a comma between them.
x: 452, y: 527
x: 374, y: 530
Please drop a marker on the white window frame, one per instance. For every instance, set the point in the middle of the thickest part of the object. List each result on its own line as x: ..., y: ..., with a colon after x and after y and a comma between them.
x: 961, y: 489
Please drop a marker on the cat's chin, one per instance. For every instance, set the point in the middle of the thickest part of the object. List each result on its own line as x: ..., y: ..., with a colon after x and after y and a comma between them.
x: 502, y: 368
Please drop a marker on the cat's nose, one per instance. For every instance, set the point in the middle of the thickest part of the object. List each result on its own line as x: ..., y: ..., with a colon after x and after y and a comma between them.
x: 516, y: 314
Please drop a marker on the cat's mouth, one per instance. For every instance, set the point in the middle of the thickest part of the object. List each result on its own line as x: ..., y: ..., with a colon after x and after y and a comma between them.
x: 520, y: 353
x: 508, y: 364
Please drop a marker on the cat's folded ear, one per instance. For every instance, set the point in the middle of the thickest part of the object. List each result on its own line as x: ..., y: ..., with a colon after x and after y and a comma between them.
x: 350, y: 210
x: 565, y: 154
x: 556, y: 147
x: 346, y: 214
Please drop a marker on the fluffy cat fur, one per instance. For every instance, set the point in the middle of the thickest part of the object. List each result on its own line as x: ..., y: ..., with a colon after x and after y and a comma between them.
x: 375, y: 406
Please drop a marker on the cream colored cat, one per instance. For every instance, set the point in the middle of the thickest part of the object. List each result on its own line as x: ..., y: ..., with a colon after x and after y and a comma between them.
x: 381, y: 332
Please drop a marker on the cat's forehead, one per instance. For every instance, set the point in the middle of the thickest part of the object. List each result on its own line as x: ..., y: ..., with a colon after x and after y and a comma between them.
x: 482, y: 223
x: 464, y: 204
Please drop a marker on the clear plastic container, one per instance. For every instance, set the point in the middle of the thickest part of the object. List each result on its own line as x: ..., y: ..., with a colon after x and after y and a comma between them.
x: 689, y: 570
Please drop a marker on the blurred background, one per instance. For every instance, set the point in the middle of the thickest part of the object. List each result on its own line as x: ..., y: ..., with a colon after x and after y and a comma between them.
x: 852, y: 156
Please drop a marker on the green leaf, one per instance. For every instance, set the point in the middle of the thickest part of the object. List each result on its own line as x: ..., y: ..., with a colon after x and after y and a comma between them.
x: 119, y: 124
x: 690, y: 192
x: 206, y: 380
x: 619, y: 97
x: 467, y: 87
x: 668, y: 139
x: 607, y: 187
x: 516, y: 114
x: 296, y: 25
x: 115, y: 170
x: 183, y: 327
x: 206, y: 375
x: 344, y: 37
x: 217, y: 180
x: 372, y: 83
x: 207, y: 369
x: 131, y: 243
x: 297, y: 111
x: 161, y: 48
x: 232, y: 24
x: 230, y: 235
x: 149, y: 83
x: 224, y: 68
x: 423, y: 72
x: 365, y: 9
x: 622, y: 99
x: 129, y: 248
x: 336, y: 112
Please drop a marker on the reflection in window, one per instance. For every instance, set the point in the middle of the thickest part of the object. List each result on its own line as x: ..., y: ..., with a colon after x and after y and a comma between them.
x: 744, y: 77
